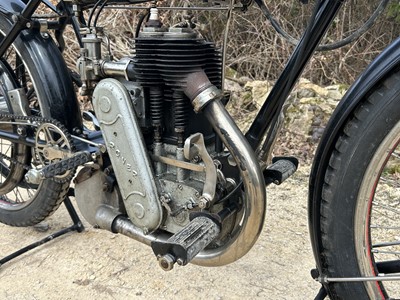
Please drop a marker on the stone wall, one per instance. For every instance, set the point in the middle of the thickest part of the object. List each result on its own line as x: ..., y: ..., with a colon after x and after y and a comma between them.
x: 307, y: 112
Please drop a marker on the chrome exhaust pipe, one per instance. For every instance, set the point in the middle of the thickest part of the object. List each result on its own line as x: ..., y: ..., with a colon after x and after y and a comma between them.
x: 205, y: 97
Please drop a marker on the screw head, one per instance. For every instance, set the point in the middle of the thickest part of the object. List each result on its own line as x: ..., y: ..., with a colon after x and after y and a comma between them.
x: 180, y: 261
x: 166, y: 262
x: 203, y: 203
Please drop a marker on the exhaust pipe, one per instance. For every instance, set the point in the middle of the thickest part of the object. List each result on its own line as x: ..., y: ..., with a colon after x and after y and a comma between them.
x: 206, y: 97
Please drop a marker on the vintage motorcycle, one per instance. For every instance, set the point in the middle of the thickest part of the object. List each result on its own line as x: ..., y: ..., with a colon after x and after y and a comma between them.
x: 163, y: 162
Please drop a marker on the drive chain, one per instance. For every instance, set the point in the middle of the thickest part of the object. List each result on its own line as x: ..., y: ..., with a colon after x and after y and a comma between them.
x: 54, y: 169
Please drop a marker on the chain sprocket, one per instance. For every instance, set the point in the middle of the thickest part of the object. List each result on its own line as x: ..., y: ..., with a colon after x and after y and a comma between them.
x: 44, y: 130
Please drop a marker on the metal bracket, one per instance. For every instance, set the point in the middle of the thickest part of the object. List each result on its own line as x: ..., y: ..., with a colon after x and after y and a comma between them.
x: 194, y: 145
x: 19, y: 103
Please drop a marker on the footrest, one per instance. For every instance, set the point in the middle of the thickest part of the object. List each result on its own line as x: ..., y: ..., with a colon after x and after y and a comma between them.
x: 281, y: 169
x: 34, y: 176
x: 64, y: 165
x: 184, y: 245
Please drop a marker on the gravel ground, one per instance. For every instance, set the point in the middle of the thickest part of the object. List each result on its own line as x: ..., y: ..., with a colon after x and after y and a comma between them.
x: 97, y: 264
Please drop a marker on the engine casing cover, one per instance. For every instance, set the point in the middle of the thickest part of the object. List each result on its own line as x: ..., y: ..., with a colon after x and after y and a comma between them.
x: 128, y: 154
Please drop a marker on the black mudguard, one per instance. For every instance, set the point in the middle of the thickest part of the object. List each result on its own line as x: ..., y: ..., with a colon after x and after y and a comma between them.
x: 58, y: 96
x: 376, y: 72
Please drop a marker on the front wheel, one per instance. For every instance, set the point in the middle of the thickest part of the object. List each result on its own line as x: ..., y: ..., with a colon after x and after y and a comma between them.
x: 360, y: 208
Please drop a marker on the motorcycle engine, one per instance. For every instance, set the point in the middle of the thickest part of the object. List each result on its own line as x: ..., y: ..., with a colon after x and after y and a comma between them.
x: 166, y: 158
x: 162, y: 61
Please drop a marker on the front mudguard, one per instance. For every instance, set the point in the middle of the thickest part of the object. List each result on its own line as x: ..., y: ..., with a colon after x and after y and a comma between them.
x: 376, y: 72
x: 54, y: 84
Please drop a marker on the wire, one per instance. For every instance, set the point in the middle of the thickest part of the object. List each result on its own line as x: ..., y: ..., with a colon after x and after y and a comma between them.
x: 98, y: 13
x: 352, y: 37
x: 141, y: 20
x: 92, y: 12
x: 230, y: 193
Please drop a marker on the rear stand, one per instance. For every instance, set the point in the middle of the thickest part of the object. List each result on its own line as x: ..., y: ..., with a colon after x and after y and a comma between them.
x: 77, y: 226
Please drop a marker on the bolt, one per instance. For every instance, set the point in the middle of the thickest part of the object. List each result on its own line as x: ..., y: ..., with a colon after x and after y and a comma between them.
x: 145, y: 231
x: 103, y: 149
x: 77, y: 131
x: 166, y: 262
x: 203, y: 203
x: 94, y: 156
x: 165, y: 198
x: 180, y: 187
x: 28, y: 25
x: 180, y: 261
x: 217, y: 164
x: 15, y: 18
x: 21, y: 131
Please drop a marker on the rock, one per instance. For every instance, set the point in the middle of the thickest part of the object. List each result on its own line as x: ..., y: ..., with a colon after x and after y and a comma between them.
x: 42, y: 226
x: 307, y: 85
x: 308, y: 110
x: 259, y: 91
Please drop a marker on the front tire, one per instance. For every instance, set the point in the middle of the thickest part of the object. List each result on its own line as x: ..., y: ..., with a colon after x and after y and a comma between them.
x: 360, y: 227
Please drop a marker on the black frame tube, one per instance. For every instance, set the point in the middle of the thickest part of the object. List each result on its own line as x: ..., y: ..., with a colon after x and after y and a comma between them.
x: 19, y: 25
x: 15, y: 138
x: 292, y: 71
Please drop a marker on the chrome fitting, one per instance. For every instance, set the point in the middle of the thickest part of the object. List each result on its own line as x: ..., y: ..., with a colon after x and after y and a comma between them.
x: 34, y: 176
x: 206, y: 96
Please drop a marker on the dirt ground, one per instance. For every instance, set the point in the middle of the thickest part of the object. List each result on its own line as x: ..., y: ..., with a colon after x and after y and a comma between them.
x: 97, y: 264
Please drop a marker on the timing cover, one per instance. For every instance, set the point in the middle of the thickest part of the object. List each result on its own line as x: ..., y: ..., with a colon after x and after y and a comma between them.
x: 128, y: 154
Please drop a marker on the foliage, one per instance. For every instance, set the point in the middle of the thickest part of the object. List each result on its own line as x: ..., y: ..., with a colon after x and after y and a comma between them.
x: 256, y: 51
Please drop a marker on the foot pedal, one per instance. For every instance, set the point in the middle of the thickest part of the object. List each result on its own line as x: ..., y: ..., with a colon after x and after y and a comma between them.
x: 281, y: 169
x: 77, y: 159
x: 66, y: 164
x: 184, y: 245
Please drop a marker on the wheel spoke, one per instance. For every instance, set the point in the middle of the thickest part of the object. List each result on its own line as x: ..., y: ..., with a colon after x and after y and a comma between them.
x: 386, y: 244
x: 396, y: 154
x: 385, y: 252
x: 384, y: 227
x: 388, y: 267
x: 391, y: 182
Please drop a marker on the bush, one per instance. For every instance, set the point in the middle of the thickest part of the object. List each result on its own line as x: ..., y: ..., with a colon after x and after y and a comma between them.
x: 256, y: 51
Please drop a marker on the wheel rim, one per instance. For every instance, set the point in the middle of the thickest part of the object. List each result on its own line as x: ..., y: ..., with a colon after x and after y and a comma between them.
x: 377, y: 229
x: 15, y: 193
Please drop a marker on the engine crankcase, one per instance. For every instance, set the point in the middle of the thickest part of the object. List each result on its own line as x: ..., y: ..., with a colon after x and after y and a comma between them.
x: 90, y: 194
x: 128, y: 154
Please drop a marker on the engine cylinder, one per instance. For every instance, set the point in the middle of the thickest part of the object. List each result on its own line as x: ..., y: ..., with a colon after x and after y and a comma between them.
x: 165, y: 58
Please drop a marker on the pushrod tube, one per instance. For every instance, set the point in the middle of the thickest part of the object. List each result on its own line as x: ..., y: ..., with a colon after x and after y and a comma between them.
x: 292, y: 71
x: 18, y: 26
